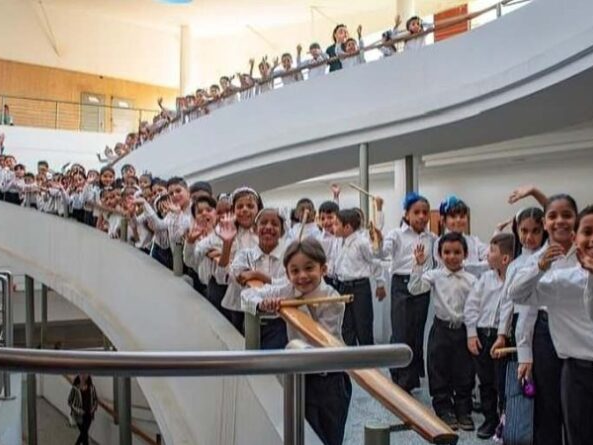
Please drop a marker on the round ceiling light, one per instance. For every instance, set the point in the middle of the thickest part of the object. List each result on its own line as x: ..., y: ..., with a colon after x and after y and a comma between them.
x: 176, y: 2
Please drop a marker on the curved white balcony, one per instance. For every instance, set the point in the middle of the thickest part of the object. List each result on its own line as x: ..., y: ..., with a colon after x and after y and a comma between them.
x: 527, y: 73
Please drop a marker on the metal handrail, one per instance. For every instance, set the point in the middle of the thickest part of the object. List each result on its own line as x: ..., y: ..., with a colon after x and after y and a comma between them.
x: 210, y: 363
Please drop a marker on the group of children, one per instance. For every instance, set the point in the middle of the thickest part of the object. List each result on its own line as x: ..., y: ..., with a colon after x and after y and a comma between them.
x: 345, y: 52
x: 531, y: 287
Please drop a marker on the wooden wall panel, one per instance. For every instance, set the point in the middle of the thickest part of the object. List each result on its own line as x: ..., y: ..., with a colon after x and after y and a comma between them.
x: 450, y: 14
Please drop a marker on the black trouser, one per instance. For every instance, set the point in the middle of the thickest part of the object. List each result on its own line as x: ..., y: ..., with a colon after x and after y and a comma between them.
x: 547, y: 372
x: 357, y: 327
x: 450, y: 369
x: 327, y: 398
x: 488, y: 371
x: 83, y: 437
x: 13, y: 198
x: 215, y: 293
x: 199, y: 287
x: 163, y: 256
x: 89, y: 219
x: 577, y: 400
x: 238, y: 320
x: 78, y: 215
x: 273, y: 333
x: 408, y: 319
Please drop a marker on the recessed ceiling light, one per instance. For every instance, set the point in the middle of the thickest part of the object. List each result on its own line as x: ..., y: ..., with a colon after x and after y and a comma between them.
x: 175, y: 2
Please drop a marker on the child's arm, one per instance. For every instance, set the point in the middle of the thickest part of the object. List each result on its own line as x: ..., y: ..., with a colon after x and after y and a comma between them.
x: 528, y: 190
x: 375, y: 267
x: 265, y: 298
x: 420, y: 281
x: 471, y: 314
x: 157, y: 223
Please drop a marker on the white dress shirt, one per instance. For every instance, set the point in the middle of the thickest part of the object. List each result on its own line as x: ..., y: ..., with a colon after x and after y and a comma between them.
x: 316, y: 71
x: 356, y: 261
x: 311, y: 230
x: 399, y: 245
x: 256, y: 259
x: 449, y: 290
x: 176, y: 223
x: 331, y: 246
x: 329, y: 316
x: 486, y: 306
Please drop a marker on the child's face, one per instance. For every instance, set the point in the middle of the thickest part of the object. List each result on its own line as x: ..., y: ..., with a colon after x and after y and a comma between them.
x: 129, y: 171
x: 496, y: 259
x: 29, y: 180
x: 42, y: 169
x: 111, y: 199
x: 159, y: 189
x: 224, y: 82
x: 9, y: 162
x: 179, y: 195
x: 531, y: 234
x: 269, y: 229
x: 315, y: 51
x: 245, y: 211
x: 304, y: 273
x: 351, y: 46
x: 223, y: 207
x: 415, y: 27
x: 19, y: 172
x: 584, y: 238
x: 341, y: 34
x: 107, y: 178
x: 92, y: 176
x: 457, y: 222
x: 300, y: 211
x: 418, y: 216
x: 452, y: 255
x: 130, y: 181
x: 342, y: 230
x: 328, y: 221
x: 560, y: 221
x: 79, y: 181
x: 205, y: 214
x: 144, y: 182
x: 214, y: 91
x: 287, y: 62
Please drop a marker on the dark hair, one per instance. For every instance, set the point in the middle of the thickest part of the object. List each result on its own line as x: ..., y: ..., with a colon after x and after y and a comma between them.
x: 452, y: 237
x: 176, y: 180
x: 452, y: 206
x: 40, y: 163
x: 286, y: 55
x: 77, y: 381
x: 200, y: 199
x: 215, y: 86
x: 562, y: 197
x: 19, y: 166
x: 159, y: 181
x: 585, y: 212
x: 241, y: 192
x: 305, y: 201
x: 350, y: 39
x: 314, y: 45
x: 309, y: 247
x: 329, y: 207
x: 126, y: 167
x: 225, y: 78
x: 534, y: 213
x: 411, y: 19
x: 200, y: 186
x: 338, y: 26
x: 350, y: 217
x: 505, y: 243
x: 411, y: 199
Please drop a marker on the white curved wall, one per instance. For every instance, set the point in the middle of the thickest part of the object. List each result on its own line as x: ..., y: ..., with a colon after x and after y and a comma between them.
x: 140, y: 305
x: 523, y: 74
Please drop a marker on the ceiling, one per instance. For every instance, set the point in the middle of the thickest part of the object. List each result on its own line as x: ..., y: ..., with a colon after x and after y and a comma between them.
x: 212, y: 17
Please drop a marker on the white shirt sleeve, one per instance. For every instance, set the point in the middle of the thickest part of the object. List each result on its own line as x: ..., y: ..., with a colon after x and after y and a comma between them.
x: 524, y: 332
x: 250, y: 297
x: 589, y: 296
x: 522, y: 288
x: 471, y: 309
x: 375, y: 264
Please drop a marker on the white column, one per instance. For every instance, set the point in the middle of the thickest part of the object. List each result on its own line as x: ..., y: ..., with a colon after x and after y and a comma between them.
x: 406, y: 8
x: 185, y: 61
x: 399, y: 186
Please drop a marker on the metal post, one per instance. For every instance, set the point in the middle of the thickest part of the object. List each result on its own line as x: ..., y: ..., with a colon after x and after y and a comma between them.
x: 125, y: 411
x: 299, y: 419
x: 252, y: 331
x: 376, y: 434
x: 289, y: 409
x: 178, y: 260
x: 498, y: 10
x: 43, y: 333
x: 31, y: 379
x: 123, y: 228
x: 411, y: 173
x: 7, y: 324
x: 363, y: 161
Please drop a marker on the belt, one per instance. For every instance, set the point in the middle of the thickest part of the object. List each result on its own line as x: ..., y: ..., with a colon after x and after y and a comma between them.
x: 353, y: 282
x: 448, y: 324
x: 581, y: 363
x: 543, y: 315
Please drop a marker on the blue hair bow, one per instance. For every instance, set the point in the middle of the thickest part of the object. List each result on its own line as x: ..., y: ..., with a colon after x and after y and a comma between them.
x: 448, y: 203
x: 411, y: 199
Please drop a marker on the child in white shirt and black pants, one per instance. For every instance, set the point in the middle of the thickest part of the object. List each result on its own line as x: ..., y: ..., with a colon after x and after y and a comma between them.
x: 487, y: 316
x: 353, y: 267
x: 450, y: 368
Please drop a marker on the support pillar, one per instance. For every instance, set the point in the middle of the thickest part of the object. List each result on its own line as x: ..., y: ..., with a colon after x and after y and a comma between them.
x: 43, y: 332
x: 31, y: 378
x: 185, y: 61
x: 412, y: 163
x: 406, y: 9
x: 363, y: 163
x: 124, y: 411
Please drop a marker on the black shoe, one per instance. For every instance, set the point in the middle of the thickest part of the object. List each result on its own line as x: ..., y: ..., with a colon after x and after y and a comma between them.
x: 465, y: 422
x: 450, y: 420
x: 487, y: 429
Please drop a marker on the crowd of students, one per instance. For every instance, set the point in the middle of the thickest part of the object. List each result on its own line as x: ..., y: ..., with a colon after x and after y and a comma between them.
x: 345, y: 52
x: 530, y: 286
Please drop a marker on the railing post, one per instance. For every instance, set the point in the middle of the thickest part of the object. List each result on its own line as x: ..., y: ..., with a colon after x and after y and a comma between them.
x: 31, y: 378
x: 289, y: 409
x: 125, y: 410
x: 299, y: 409
x: 498, y: 10
x: 411, y: 162
x: 178, y: 260
x: 252, y: 331
x: 376, y: 434
x: 7, y: 326
x: 43, y: 332
x: 123, y: 228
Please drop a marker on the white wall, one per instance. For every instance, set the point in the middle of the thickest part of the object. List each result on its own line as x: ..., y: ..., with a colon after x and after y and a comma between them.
x: 58, y: 147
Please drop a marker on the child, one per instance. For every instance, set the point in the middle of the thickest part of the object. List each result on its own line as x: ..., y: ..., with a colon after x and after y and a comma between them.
x: 486, y: 316
x: 264, y: 263
x: 14, y: 184
x: 327, y: 396
x: 415, y: 25
x: 160, y: 249
x: 311, y: 229
x: 354, y: 266
x: 559, y: 253
x: 317, y: 64
x: 558, y: 282
x: 328, y: 214
x: 408, y: 312
x: 353, y: 52
x: 389, y: 49
x: 29, y: 192
x: 90, y: 196
x: 450, y: 368
x: 287, y: 75
x: 455, y: 218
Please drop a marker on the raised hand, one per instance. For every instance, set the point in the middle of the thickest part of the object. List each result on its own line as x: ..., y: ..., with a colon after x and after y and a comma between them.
x: 419, y: 254
x: 195, y: 232
x: 398, y: 20
x: 585, y: 259
x: 299, y: 48
x: 520, y: 193
x: 227, y: 230
x: 504, y: 224
x: 552, y: 253
x: 379, y: 202
x: 335, y: 188
x: 359, y: 31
